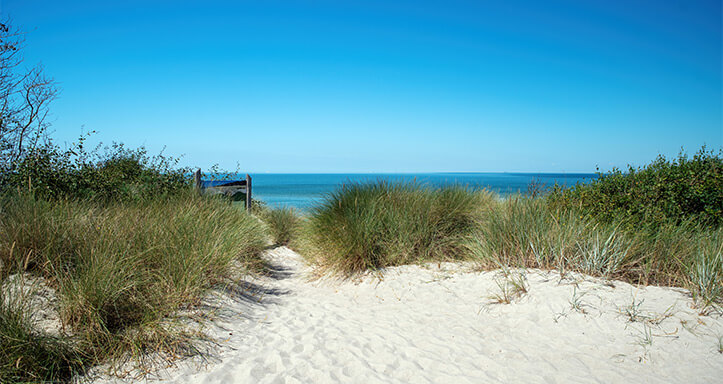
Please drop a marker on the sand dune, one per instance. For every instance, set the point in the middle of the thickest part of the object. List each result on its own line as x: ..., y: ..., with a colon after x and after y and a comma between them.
x: 438, y: 324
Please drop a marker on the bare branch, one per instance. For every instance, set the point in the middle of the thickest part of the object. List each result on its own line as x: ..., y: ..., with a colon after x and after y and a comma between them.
x: 25, y: 95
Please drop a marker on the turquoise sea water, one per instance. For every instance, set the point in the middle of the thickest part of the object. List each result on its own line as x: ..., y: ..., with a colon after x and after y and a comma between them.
x: 302, y: 191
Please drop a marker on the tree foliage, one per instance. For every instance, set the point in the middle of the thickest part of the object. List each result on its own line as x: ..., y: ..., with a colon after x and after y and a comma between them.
x: 29, y: 159
x: 103, y: 173
x: 25, y: 96
x: 684, y: 188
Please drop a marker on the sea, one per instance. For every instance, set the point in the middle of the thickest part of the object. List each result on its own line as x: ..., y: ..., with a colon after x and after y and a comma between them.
x: 304, y: 190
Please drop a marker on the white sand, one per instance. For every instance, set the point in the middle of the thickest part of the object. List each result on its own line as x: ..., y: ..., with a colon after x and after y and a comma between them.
x: 436, y: 325
x: 40, y: 299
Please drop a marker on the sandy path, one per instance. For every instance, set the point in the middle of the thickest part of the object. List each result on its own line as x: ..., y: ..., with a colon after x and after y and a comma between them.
x: 436, y: 325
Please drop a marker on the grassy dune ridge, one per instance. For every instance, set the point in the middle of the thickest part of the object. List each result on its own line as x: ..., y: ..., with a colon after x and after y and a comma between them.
x: 365, y: 227
x: 119, y: 269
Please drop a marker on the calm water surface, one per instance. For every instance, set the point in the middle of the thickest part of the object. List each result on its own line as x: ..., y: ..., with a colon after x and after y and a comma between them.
x: 302, y: 191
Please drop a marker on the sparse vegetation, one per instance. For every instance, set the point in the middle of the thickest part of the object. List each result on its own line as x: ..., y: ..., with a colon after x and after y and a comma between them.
x: 646, y: 336
x: 511, y: 286
x: 575, y: 301
x: 633, y: 312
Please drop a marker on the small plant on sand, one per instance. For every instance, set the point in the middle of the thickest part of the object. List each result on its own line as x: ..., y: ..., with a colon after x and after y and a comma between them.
x: 706, y: 273
x: 719, y: 344
x: 512, y: 285
x: 646, y: 336
x: 657, y: 318
x: 576, y: 301
x: 633, y: 312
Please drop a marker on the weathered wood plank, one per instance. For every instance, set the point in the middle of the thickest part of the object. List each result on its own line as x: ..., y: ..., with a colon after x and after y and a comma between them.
x: 228, y: 188
x: 248, y: 193
x: 197, y: 178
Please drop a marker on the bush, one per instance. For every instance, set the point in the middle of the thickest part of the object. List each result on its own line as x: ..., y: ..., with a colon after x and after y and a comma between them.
x: 372, y: 226
x: 113, y: 174
x: 663, y: 191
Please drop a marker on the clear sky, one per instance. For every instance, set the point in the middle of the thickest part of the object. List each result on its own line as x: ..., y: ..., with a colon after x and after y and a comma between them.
x: 385, y: 86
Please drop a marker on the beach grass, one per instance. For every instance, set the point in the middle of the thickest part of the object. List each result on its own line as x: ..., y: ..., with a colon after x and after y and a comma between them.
x: 526, y: 232
x: 511, y: 285
x: 532, y: 233
x: 363, y: 227
x: 29, y: 355
x: 284, y: 224
x: 372, y: 226
x: 121, y: 269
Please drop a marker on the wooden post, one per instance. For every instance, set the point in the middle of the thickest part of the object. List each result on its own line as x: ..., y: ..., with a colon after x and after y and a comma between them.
x: 197, y: 179
x: 248, y: 193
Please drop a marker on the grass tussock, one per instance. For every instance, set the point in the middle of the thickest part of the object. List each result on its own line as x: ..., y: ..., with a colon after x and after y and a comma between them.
x: 371, y: 226
x: 706, y: 271
x: 511, y: 285
x: 121, y: 269
x: 532, y: 233
x: 27, y: 355
x: 527, y: 232
x: 284, y: 224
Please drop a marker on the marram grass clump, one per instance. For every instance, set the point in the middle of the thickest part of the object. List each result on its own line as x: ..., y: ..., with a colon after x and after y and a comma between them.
x: 120, y: 270
x: 283, y: 224
x: 371, y: 226
x: 524, y: 232
x: 28, y: 355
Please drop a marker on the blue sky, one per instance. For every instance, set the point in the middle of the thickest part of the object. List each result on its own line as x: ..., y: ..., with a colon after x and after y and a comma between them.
x: 385, y: 86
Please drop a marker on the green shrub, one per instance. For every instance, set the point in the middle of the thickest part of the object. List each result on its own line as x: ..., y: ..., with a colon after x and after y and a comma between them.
x: 663, y: 191
x: 113, y: 174
x: 372, y: 226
